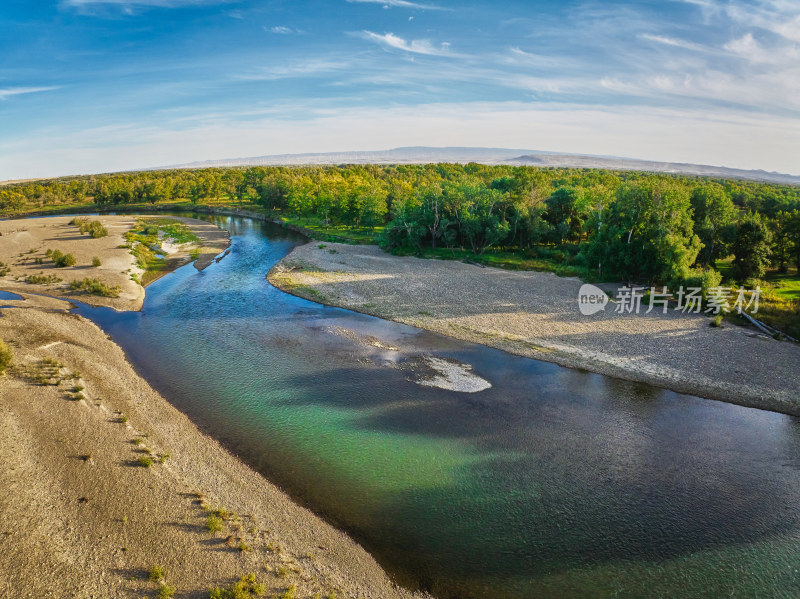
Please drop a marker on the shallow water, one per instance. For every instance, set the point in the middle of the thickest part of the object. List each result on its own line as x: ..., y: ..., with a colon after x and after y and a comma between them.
x: 7, y: 295
x: 553, y: 482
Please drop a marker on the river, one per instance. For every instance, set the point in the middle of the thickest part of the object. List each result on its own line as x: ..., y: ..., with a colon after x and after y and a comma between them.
x: 553, y: 482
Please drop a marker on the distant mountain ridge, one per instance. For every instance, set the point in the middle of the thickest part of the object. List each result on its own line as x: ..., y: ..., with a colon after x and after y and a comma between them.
x: 495, y: 156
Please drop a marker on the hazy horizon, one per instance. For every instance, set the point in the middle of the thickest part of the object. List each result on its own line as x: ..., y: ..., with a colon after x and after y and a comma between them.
x: 91, y: 86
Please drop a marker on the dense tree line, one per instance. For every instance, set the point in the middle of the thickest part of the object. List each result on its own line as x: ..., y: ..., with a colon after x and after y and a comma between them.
x: 610, y: 224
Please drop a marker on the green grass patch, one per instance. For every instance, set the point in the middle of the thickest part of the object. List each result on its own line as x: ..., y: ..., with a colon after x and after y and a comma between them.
x: 145, y: 241
x: 509, y: 260
x: 317, y: 229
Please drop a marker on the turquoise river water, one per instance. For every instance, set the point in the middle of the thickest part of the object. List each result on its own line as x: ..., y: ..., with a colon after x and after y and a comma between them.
x: 552, y: 483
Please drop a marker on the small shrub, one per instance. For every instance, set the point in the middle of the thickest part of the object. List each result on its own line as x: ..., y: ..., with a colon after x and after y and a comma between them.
x: 138, y: 441
x: 162, y: 458
x: 6, y: 356
x: 123, y: 419
x: 165, y: 592
x: 717, y: 321
x: 96, y: 229
x: 288, y: 593
x: 156, y: 573
x: 65, y: 261
x: 77, y: 388
x: 38, y: 261
x: 145, y: 461
x: 282, y: 572
x: 245, y: 588
x: 96, y: 262
x: 214, y: 524
x: 243, y: 547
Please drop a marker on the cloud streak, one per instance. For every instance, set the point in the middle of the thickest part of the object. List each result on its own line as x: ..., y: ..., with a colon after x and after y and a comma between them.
x: 398, y: 4
x: 392, y: 41
x: 8, y: 92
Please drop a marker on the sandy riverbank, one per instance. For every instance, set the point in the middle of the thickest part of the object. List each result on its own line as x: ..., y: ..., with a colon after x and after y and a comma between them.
x: 24, y: 243
x: 536, y: 315
x: 81, y: 517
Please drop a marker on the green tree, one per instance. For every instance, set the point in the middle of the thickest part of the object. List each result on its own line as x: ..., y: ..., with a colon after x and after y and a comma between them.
x: 713, y: 213
x: 751, y: 248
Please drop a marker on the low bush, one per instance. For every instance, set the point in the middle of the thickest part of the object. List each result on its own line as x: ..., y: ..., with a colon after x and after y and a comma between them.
x: 96, y: 262
x: 6, y: 356
x: 95, y: 287
x: 42, y: 279
x: 214, y: 524
x: 245, y: 588
x: 62, y: 260
x: 156, y: 573
x: 95, y: 229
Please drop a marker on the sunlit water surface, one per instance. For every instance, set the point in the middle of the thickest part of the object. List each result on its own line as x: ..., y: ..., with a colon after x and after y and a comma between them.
x: 552, y: 483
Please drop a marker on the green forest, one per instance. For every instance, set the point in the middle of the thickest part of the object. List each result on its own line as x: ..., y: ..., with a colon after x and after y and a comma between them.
x: 598, y: 225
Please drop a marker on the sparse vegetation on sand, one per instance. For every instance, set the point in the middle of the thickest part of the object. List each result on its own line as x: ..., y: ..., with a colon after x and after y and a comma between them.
x: 244, y: 588
x: 61, y: 260
x: 214, y: 524
x: 95, y: 287
x: 146, y: 240
x: 95, y: 228
x: 43, y: 279
x: 6, y: 356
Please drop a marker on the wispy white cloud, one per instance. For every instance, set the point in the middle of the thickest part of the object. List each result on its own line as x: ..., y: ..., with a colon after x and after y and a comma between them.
x: 281, y: 30
x: 7, y: 92
x: 781, y: 17
x: 748, y: 48
x: 390, y: 40
x: 302, y: 68
x: 399, y: 4
x: 674, y: 42
x: 86, y: 4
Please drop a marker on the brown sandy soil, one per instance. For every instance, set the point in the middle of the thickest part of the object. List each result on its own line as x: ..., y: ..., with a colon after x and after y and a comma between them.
x: 80, y: 518
x: 23, y: 241
x: 536, y: 314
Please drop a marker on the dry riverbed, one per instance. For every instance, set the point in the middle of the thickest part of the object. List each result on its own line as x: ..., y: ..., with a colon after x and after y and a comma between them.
x: 102, y: 478
x: 536, y: 314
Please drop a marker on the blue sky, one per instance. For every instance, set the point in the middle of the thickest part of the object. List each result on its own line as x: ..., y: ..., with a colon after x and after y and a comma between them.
x: 102, y: 85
